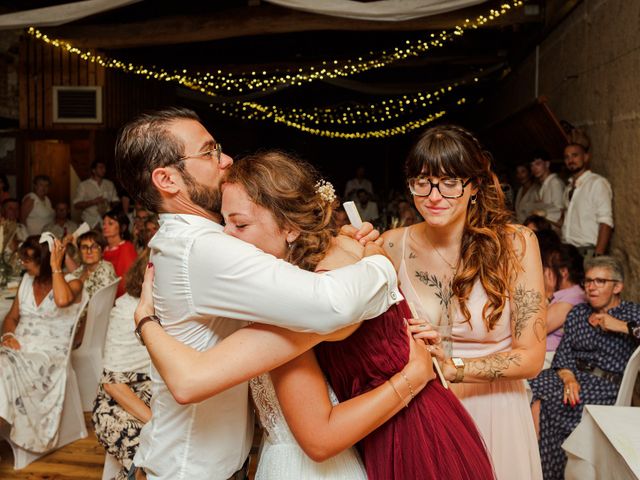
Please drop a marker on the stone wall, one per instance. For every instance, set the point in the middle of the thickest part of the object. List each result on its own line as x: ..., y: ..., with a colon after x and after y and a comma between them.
x: 589, y: 68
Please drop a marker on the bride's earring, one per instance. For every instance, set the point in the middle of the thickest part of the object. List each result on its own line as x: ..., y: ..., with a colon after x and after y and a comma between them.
x: 474, y: 198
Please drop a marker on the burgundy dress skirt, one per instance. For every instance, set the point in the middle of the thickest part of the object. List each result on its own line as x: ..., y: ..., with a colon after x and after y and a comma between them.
x: 435, y: 438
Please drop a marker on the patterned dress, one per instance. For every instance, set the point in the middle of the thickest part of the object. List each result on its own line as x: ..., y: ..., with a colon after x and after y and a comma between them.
x: 127, y: 362
x: 606, y: 350
x: 32, y: 379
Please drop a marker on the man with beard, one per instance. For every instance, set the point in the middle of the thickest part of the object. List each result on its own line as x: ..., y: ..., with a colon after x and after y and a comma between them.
x: 207, y: 285
x: 588, y: 219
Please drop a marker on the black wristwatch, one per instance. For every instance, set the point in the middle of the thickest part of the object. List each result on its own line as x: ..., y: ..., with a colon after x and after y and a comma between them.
x: 634, y: 329
x: 138, y: 331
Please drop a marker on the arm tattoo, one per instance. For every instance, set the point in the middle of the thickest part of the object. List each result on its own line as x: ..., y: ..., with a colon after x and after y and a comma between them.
x: 390, y: 244
x: 443, y: 291
x: 412, y: 255
x: 494, y: 366
x: 526, y: 303
x: 540, y: 329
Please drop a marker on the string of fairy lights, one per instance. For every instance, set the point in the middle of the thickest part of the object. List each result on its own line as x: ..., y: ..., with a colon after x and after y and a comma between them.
x: 344, y: 114
x: 317, y: 120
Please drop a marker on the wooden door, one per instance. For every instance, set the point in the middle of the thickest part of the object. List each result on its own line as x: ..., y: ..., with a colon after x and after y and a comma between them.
x: 51, y: 158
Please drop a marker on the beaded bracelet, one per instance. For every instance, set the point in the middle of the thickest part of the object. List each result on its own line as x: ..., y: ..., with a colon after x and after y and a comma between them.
x: 408, y: 383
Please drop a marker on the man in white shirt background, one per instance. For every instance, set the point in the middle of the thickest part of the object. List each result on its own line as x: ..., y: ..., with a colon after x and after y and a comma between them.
x: 360, y: 182
x: 588, y: 219
x: 551, y: 190
x: 208, y: 284
x: 95, y: 195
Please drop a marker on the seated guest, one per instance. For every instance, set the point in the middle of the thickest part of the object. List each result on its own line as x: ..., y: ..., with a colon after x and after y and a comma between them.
x: 151, y: 226
x: 119, y: 251
x: 61, y: 225
x: 35, y: 341
x: 140, y: 217
x: 563, y: 274
x: 589, y: 362
x: 36, y: 210
x: 14, y: 232
x: 537, y: 223
x: 368, y: 208
x: 122, y: 405
x: 94, y: 273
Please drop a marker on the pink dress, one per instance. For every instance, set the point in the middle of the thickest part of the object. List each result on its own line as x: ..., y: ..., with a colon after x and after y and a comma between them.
x: 500, y: 408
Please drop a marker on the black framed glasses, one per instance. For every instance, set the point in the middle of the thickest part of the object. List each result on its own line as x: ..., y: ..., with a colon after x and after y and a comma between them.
x: 87, y: 248
x: 448, y: 187
x: 215, y: 152
x: 598, y: 282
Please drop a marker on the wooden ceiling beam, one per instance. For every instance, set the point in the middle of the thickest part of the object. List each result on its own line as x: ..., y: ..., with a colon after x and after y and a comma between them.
x: 262, y: 20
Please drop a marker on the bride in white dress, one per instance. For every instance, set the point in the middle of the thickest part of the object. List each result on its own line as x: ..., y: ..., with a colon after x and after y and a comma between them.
x: 281, y: 458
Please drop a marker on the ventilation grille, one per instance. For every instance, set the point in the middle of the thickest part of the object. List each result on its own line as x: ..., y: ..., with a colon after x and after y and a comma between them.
x: 77, y: 104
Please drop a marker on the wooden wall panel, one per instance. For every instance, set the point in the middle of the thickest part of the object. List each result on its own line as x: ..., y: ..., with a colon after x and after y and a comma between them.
x: 44, y: 66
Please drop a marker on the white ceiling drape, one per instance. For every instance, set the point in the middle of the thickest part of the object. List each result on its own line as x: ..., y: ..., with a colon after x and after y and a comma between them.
x: 381, y: 10
x: 59, y: 14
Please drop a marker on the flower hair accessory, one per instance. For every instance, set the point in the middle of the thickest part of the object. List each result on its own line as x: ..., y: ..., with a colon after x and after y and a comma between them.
x: 326, y: 191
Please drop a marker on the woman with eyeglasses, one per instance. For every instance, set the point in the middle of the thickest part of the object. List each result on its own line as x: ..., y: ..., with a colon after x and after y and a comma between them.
x: 94, y: 273
x: 599, y: 338
x: 35, y: 341
x: 467, y: 269
x: 120, y: 251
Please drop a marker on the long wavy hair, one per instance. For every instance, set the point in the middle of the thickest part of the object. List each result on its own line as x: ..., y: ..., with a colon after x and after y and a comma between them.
x: 487, y: 250
x: 286, y: 186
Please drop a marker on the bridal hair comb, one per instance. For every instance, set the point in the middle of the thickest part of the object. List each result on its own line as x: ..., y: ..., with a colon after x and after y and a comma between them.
x: 326, y: 191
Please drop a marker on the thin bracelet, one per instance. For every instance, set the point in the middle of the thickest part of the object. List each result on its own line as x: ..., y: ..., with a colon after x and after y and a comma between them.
x: 406, y: 404
x: 56, y: 271
x: 408, y: 383
x: 5, y: 335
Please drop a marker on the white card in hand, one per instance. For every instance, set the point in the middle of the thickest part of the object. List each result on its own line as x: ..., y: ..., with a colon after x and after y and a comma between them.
x: 81, y: 230
x: 353, y: 214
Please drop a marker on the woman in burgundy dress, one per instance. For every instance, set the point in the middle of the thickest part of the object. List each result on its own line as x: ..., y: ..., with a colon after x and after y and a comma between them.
x: 433, y: 438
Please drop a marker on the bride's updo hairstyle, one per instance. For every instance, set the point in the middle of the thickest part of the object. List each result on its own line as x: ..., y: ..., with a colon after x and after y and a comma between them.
x: 487, y: 248
x: 288, y: 187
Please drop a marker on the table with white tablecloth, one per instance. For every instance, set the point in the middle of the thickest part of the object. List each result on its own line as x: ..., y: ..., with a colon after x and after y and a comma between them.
x: 606, y: 444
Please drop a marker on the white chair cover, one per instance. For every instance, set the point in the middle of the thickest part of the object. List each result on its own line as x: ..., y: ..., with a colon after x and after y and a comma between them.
x: 87, y: 359
x: 625, y: 394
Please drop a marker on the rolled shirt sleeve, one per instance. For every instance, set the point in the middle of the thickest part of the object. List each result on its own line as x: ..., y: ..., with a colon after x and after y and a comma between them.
x: 603, y: 195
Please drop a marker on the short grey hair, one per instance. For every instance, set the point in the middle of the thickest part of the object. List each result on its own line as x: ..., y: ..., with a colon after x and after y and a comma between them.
x: 611, y: 263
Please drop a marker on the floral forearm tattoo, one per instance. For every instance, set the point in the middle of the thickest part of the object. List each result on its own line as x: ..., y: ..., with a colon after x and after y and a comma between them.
x: 494, y: 366
x: 526, y: 304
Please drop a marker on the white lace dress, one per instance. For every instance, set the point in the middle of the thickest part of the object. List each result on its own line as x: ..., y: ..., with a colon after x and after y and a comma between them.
x: 32, y: 379
x: 281, y: 457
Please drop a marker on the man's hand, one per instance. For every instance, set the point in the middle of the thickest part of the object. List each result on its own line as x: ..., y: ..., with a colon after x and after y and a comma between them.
x: 145, y: 305
x: 365, y: 234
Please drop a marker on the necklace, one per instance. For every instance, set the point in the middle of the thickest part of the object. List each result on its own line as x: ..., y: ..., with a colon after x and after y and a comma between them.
x: 451, y: 266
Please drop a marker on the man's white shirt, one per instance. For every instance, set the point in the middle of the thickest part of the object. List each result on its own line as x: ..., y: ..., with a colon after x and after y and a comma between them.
x: 550, y: 197
x: 90, y: 189
x: 207, y: 285
x: 590, y: 205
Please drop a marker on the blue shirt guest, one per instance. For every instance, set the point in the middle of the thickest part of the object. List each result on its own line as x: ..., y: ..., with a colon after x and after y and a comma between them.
x: 600, y: 336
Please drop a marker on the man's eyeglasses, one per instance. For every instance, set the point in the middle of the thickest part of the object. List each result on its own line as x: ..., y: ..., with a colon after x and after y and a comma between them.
x: 598, y: 282
x: 448, y: 187
x: 215, y: 152
x: 88, y: 248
